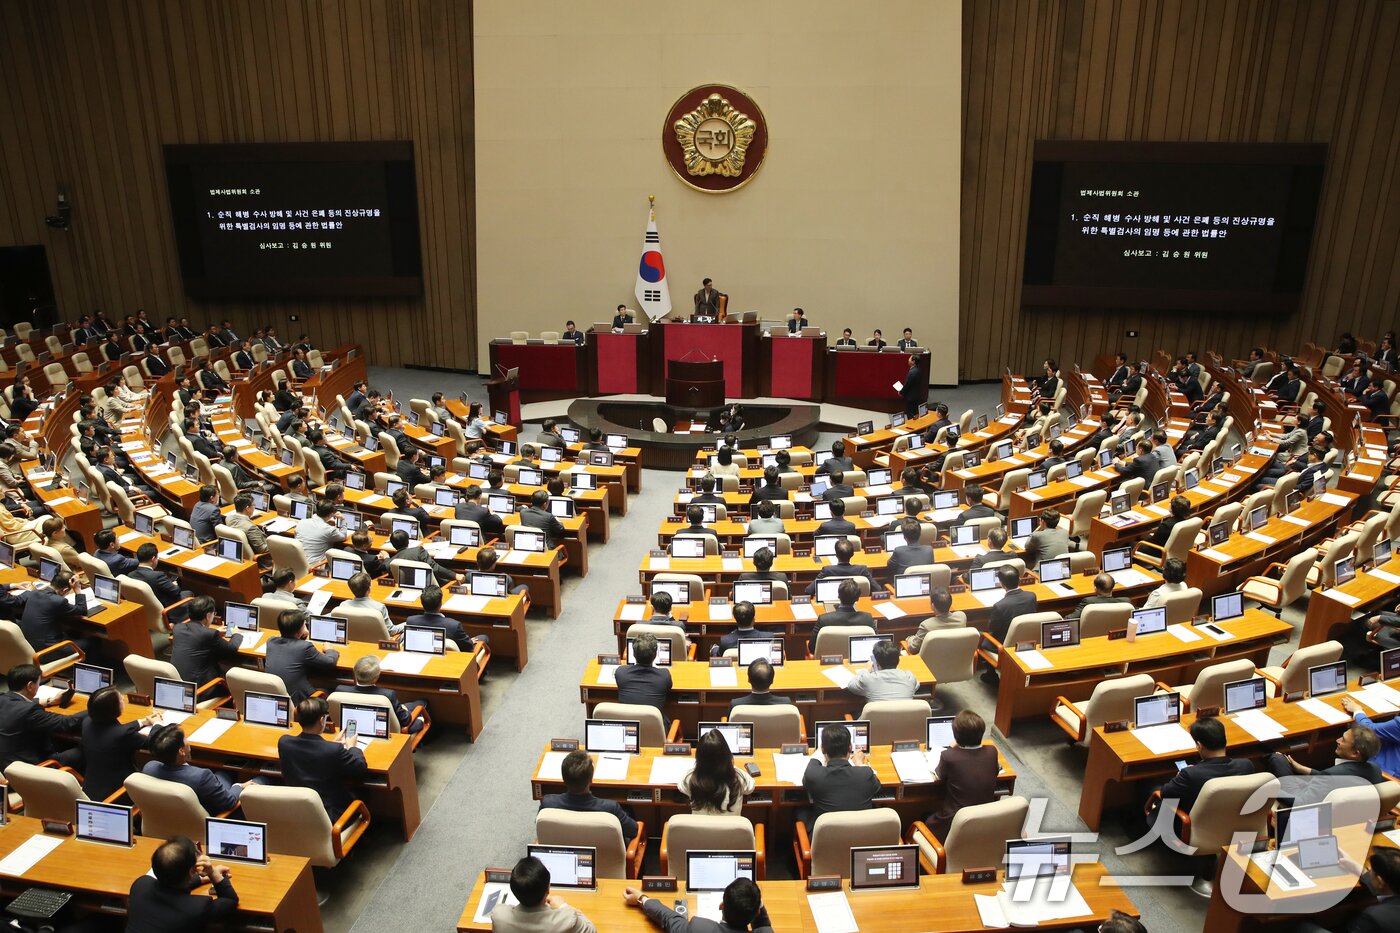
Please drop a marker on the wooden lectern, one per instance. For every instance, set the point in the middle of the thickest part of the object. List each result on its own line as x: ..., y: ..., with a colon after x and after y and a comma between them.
x: 695, y: 384
x: 503, y: 392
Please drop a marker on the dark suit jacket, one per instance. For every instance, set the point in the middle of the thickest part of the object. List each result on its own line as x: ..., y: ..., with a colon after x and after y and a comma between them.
x: 411, y: 473
x: 1380, y: 918
x: 836, y: 526
x: 543, y: 519
x: 214, y: 795
x: 1088, y: 601
x: 1163, y: 532
x: 203, y: 517
x: 324, y: 766
x: 759, y: 699
x: 991, y: 557
x: 669, y: 921
x: 838, y: 786
x: 969, y: 777
x: 844, y: 464
x: 767, y: 492
x: 155, y: 908
x: 166, y: 588
x: 197, y: 651
x: 295, y: 660
x: 909, y: 555
x: 107, y: 752
x: 587, y: 803
x: 449, y: 625
x: 420, y: 555
x: 26, y: 728
x: 974, y: 512
x: 1013, y: 604
x: 646, y: 686
x: 1186, y: 785
x: 839, y: 616
x: 774, y: 575
x: 841, y: 491
x: 400, y: 711
x: 839, y: 570
x: 156, y: 365
x: 46, y: 615
x: 491, y: 524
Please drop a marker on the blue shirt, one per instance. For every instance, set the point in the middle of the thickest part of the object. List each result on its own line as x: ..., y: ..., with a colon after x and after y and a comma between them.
x: 1389, y: 733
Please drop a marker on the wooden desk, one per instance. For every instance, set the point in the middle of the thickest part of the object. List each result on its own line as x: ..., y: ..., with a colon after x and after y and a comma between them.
x: 281, y: 893
x: 1226, y: 566
x: 1025, y: 693
x: 236, y: 580
x: 693, y: 700
x: 1117, y: 761
x: 123, y: 625
x: 944, y: 897
x: 1330, y: 609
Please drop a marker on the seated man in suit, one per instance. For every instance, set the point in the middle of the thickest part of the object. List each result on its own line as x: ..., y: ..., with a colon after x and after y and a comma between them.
x: 771, y: 487
x: 205, y: 514
x: 163, y: 900
x: 967, y: 770
x: 839, y: 488
x: 328, y: 768
x: 741, y: 909
x: 284, y: 583
x: 707, y: 493
x: 376, y: 563
x: 27, y: 728
x: 48, y: 616
x: 763, y: 569
x: 1383, y: 880
x: 1016, y: 602
x: 399, y: 541
x: 293, y: 657
x: 572, y: 333
x: 973, y: 494
x: 844, y: 783
x: 838, y: 461
x: 165, y: 587
x: 846, y: 339
x: 538, y: 515
x: 1144, y: 466
x: 643, y: 683
x: 845, y: 613
x: 360, y: 585
x: 1186, y: 786
x: 577, y: 771
x: 837, y: 524
x: 1048, y: 541
x: 767, y: 522
x: 842, y: 568
x: 405, y: 503
x: 911, y: 553
x: 486, y: 559
x: 760, y: 687
x: 536, y: 910
x: 549, y: 435
x: 661, y: 611
x: 743, y: 628
x: 622, y: 318
x: 170, y: 761
x: 470, y: 508
x: 367, y: 671
x: 331, y: 461
x: 1180, y: 511
x: 1103, y: 596
x: 431, y: 600
x: 1355, y: 751
x: 943, y: 618
x: 884, y: 679
x: 939, y: 423
x: 199, y: 650
x: 410, y: 468
x: 696, y: 516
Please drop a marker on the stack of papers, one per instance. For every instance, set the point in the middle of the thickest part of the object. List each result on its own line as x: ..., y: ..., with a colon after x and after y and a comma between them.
x: 832, y: 912
x: 612, y: 767
x: 912, y: 767
x: 465, y: 602
x: 789, y: 768
x: 1034, y: 660
x: 1165, y: 739
x: 28, y: 854
x: 607, y: 674
x: 990, y: 597
x: 727, y: 676
x: 731, y: 563
x: 1130, y: 577
x: 209, y: 733
x: 493, y: 895
x: 204, y: 562
x: 1384, y: 575
x: 1259, y: 724
x: 405, y: 662
x: 1260, y: 537
x: 719, y: 612
x: 1341, y: 597
x: 1183, y: 633
x: 669, y: 769
x: 889, y: 610
x: 1324, y: 711
x: 659, y: 563
x: 1331, y: 498
x: 551, y: 766
x: 804, y: 612
x: 1382, y: 700
x: 840, y: 676
x: 1050, y: 900
x: 1295, y: 520
x: 632, y: 612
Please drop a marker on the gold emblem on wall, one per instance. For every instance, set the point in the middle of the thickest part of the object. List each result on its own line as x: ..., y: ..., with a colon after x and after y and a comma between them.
x: 715, y: 138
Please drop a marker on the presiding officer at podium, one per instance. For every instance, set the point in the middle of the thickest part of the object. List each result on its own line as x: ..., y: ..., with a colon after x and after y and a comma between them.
x: 622, y: 318
x: 707, y: 300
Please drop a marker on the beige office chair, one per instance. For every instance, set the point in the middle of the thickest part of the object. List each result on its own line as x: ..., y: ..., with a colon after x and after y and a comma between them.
x: 94, y: 566
x: 782, y: 544
x: 1102, y: 618
x: 82, y: 363
x: 15, y: 650
x: 938, y: 574
x: 47, y: 793
x: 773, y: 726
x: 1292, y: 675
x: 835, y: 639
x: 681, y: 649
x: 1013, y: 482
x: 362, y: 624
x: 1325, y: 573
x: 1086, y: 509
x: 268, y: 611
x: 1111, y: 700
x: 1179, y: 544
x: 1025, y: 627
x: 896, y: 720
x: 687, y: 831
x: 696, y: 584
x: 168, y: 808
x: 1221, y: 813
x: 1282, y: 585
x: 1181, y: 607
x: 519, y: 336
x: 242, y: 679
x: 157, y: 616
x: 288, y: 554
x: 654, y: 734
x: 862, y: 583
x: 976, y: 838
x: 828, y: 852
x: 599, y: 831
x: 951, y: 654
x: 297, y: 823
x: 1353, y: 806
x: 1208, y: 689
x: 144, y: 671
x: 390, y: 447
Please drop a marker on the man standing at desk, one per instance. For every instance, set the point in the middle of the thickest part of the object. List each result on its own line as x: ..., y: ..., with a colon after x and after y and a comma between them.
x: 910, y: 390
x: 707, y: 300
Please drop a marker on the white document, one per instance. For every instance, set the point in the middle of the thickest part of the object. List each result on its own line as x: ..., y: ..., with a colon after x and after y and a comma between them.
x: 1035, y: 660
x: 968, y: 550
x: 1213, y: 554
x: 889, y: 610
x: 912, y: 767
x: 731, y: 563
x: 316, y: 605
x: 1261, y: 538
x: 1155, y: 510
x: 61, y: 500
x: 1384, y: 692
x: 990, y: 597
x: 1324, y: 711
x: 1393, y: 835
x: 405, y: 662
x: 939, y: 515
x: 1384, y: 575
x: 1341, y: 597
x: 721, y: 612
x: 47, y: 693
x: 612, y: 767
x: 1183, y: 633
x: 278, y: 525
x: 1028, y: 904
x: 209, y: 733
x: 493, y: 895
x: 632, y: 612
x: 204, y: 562
x: 667, y: 770
x: 840, y: 676
x: 1084, y: 479
x: 1377, y: 702
x: 989, y: 910
x: 314, y: 584
x: 607, y: 674
x: 1130, y: 577
x: 727, y: 676
x: 1283, y: 873
x: 789, y: 768
x: 1258, y: 724
x: 1295, y: 520
x: 898, y: 386
x: 832, y: 912
x: 879, y: 490
x: 129, y: 536
x: 1331, y: 498
x: 551, y: 766
x: 709, y: 904
x: 1164, y: 739
x: 1033, y: 496
x: 28, y: 854
x: 466, y: 602
x: 804, y: 612
x: 660, y: 563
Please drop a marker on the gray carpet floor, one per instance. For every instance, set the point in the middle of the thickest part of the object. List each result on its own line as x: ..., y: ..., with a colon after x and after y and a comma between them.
x: 476, y: 798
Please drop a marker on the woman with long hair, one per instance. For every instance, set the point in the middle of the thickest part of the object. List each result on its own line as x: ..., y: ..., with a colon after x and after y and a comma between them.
x: 715, y: 785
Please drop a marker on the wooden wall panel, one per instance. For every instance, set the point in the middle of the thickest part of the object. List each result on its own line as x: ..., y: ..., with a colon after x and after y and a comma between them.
x: 1195, y: 70
x: 91, y: 89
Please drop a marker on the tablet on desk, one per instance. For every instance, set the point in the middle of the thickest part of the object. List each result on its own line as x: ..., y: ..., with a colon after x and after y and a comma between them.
x: 107, y: 823
x: 737, y: 735
x: 884, y: 868
x: 569, y: 866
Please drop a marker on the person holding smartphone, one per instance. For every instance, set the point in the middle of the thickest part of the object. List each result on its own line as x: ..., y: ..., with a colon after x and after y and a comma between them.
x: 328, y: 768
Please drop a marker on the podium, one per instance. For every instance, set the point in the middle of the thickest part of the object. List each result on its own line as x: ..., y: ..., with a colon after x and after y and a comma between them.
x: 695, y: 384
x: 503, y: 392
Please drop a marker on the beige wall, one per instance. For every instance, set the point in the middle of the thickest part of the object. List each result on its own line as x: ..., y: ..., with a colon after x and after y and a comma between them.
x: 854, y: 215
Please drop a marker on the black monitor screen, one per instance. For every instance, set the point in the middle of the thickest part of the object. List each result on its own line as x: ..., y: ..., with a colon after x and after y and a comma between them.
x: 1166, y: 226
x: 280, y: 219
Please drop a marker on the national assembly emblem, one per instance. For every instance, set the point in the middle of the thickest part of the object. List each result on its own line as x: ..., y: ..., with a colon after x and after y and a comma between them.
x: 715, y: 138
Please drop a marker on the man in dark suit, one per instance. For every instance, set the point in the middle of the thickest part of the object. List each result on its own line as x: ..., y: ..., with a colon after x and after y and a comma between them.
x: 941, y: 422
x: 845, y: 613
x: 762, y: 569
x: 367, y: 671
x: 707, y: 300
x: 846, y: 339
x: 432, y: 615
x: 707, y: 495
x: 837, y: 524
x: 643, y: 683
x: 1199, y: 438
x: 1185, y: 787
x: 155, y: 364
x: 205, y: 514
x: 26, y: 728
x: 577, y: 771
x: 538, y: 515
x: 621, y: 318
x: 409, y: 469
x: 839, y: 488
x: 1120, y: 371
x: 741, y: 910
x: 911, y: 553
x: 199, y: 650
x: 1383, y: 879
x: 842, y: 568
x: 838, y: 461
x: 771, y: 488
x: 967, y: 770
x: 696, y: 516
x: 1355, y: 749
x: 797, y: 321
x: 996, y: 549
x: 743, y: 629
x: 293, y: 657
x: 1180, y: 512
x: 1103, y: 596
x: 165, y: 587
x: 49, y: 617
x: 973, y: 494
x: 1144, y: 466
x: 398, y: 540
x: 572, y: 333
x: 469, y: 508
x: 844, y: 783
x: 162, y: 902
x: 1016, y: 602
x: 170, y: 761
x: 331, y: 462
x: 200, y: 443
x: 328, y: 768
x: 107, y: 552
x: 760, y: 685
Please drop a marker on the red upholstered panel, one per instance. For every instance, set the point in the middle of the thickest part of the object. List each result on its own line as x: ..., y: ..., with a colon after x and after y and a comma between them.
x: 542, y: 366
x: 721, y: 341
x: 617, y: 363
x: 870, y: 375
x: 792, y: 368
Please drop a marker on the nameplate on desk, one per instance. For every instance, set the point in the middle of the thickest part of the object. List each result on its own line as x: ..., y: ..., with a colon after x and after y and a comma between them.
x: 1295, y: 696
x: 797, y: 553
x: 824, y: 883
x: 721, y: 662
x: 801, y: 600
x: 498, y: 876
x: 563, y: 745
x: 224, y: 712
x: 909, y: 746
x: 1382, y: 826
x: 868, y: 513
x: 1365, y: 679
x: 390, y: 645
x: 730, y: 555
x: 979, y: 875
x: 1091, y: 572
x: 604, y: 659
x: 659, y: 885
x: 1117, y: 633
x: 877, y: 595
x: 1252, y: 847
x: 57, y: 827
x: 875, y: 549
x: 1117, y: 725
x: 676, y: 748
x: 140, y: 699
x: 719, y: 601
x: 1208, y: 712
x: 1025, y: 646
x: 832, y: 659
x: 657, y: 552
x: 794, y: 748
x: 637, y: 600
